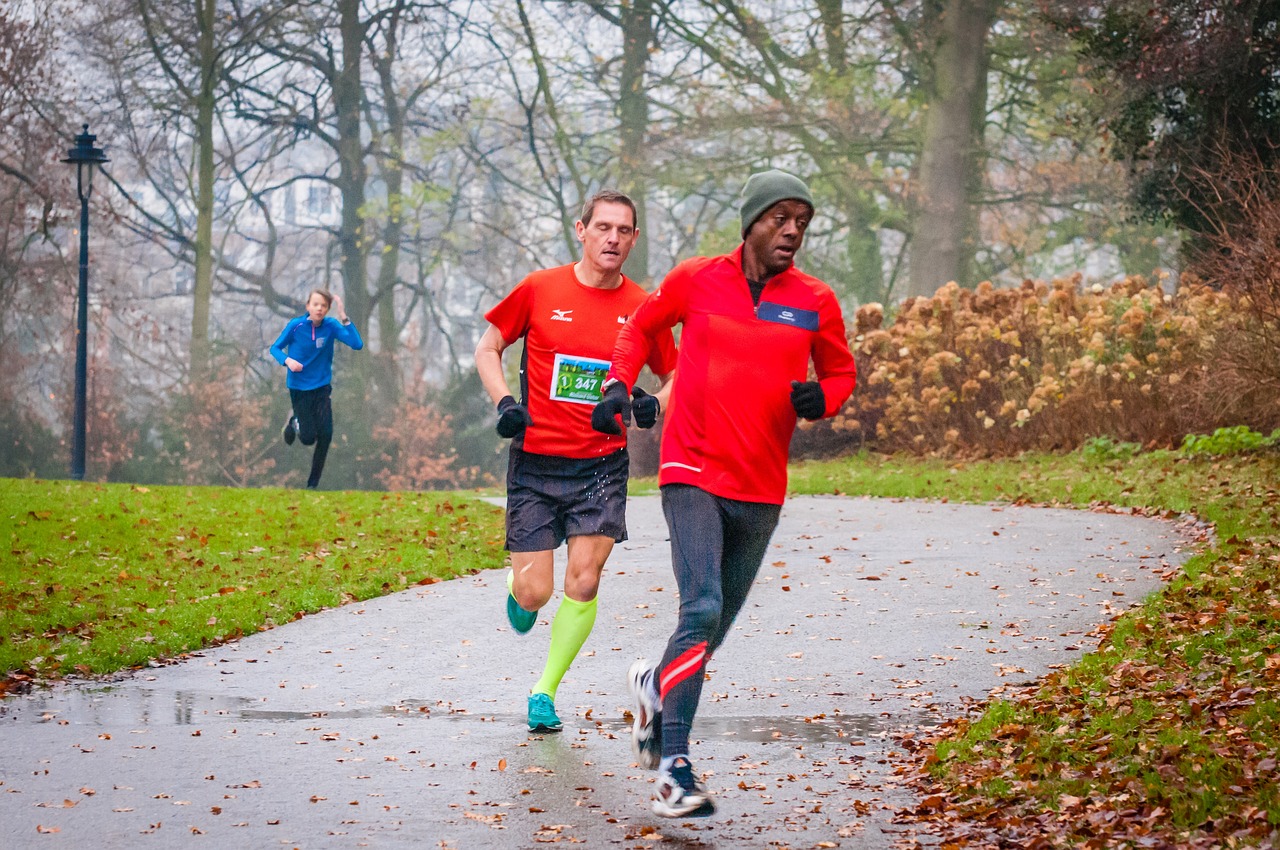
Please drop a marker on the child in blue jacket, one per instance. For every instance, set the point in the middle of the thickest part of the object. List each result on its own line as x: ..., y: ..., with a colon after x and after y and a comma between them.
x: 305, y: 348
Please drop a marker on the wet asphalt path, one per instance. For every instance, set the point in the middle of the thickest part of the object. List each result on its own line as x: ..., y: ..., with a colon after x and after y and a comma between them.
x: 399, y: 722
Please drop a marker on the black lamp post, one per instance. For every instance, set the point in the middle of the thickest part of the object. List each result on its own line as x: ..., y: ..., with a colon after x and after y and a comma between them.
x: 86, y: 156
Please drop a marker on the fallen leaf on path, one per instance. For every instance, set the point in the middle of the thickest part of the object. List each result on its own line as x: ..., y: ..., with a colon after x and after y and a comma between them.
x: 489, y: 819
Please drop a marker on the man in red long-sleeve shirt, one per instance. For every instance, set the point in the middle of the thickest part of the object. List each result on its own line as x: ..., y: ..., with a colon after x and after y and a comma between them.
x: 751, y: 323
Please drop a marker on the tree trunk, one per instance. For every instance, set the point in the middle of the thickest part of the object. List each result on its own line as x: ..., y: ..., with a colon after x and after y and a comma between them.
x: 950, y: 174
x: 633, y: 112
x: 359, y: 392
x: 862, y: 246
x: 206, y: 102
x: 388, y: 377
x: 859, y: 274
x: 831, y: 12
x: 352, y: 172
x: 391, y: 166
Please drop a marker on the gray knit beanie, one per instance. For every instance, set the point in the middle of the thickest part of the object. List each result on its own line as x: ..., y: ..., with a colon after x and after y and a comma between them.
x: 766, y: 188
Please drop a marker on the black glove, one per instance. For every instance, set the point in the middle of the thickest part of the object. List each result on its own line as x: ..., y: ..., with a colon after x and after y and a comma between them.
x: 645, y: 407
x: 613, y: 403
x: 808, y: 400
x: 513, y: 417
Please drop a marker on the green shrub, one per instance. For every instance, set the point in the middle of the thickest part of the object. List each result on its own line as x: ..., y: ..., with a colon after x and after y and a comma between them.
x: 1228, y: 441
x: 1100, y: 449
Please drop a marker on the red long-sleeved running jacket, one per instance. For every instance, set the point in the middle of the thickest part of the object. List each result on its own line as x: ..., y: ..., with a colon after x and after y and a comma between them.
x: 728, y: 426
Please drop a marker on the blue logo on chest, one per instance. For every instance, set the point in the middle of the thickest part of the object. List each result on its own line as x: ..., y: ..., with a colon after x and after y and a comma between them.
x: 806, y: 320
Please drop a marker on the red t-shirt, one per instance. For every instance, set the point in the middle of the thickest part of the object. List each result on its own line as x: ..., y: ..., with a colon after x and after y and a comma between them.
x: 569, y: 331
x: 729, y: 422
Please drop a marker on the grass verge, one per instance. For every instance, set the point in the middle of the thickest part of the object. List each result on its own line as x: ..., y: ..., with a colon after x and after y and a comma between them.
x: 100, y: 577
x: 1168, y: 734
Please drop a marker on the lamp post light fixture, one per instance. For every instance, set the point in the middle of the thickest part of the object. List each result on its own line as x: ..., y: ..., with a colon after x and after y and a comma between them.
x: 86, y: 156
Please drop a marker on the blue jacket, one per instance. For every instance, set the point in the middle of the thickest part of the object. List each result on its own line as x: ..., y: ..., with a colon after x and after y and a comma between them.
x: 313, y: 347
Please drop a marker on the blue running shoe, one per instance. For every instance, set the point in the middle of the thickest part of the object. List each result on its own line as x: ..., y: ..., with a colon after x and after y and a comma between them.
x: 520, y: 619
x: 542, y: 714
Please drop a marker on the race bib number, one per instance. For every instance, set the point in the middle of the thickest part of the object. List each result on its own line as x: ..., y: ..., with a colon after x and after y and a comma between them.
x: 577, y: 379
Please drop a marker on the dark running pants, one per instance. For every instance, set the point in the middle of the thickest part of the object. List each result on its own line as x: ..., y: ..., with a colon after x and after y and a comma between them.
x: 717, y: 546
x: 315, y: 425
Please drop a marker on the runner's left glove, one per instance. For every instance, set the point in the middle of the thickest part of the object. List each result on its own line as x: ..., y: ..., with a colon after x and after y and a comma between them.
x: 613, y: 403
x: 513, y: 417
x: 645, y: 407
x: 808, y: 400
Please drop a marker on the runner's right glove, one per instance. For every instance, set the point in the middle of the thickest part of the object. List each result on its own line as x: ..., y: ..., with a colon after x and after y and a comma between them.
x: 645, y: 407
x: 613, y: 403
x: 808, y: 400
x: 513, y: 417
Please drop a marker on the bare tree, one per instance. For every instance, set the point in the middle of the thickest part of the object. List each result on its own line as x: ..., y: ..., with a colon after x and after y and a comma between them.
x: 950, y: 170
x: 805, y: 86
x: 171, y: 63
x: 360, y: 82
x: 636, y: 23
x: 36, y: 285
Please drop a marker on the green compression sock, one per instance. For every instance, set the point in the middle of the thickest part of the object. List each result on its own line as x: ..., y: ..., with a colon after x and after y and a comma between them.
x: 569, y: 630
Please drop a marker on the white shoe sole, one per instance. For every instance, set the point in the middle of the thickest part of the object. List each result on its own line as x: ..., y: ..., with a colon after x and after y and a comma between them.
x: 642, y: 733
x: 703, y: 809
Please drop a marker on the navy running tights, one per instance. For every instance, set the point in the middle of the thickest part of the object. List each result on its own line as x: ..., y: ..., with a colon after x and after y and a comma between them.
x: 315, y: 425
x: 717, y: 546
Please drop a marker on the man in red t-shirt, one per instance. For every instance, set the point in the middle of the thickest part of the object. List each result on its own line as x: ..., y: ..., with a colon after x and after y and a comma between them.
x: 565, y: 480
x: 751, y: 323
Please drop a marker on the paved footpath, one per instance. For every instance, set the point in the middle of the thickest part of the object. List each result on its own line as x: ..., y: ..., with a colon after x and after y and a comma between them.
x: 399, y: 722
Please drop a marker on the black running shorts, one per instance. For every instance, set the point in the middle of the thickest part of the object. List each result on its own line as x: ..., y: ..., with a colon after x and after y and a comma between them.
x: 550, y: 499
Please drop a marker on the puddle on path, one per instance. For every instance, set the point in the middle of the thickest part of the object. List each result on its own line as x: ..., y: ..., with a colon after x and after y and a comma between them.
x: 112, y: 707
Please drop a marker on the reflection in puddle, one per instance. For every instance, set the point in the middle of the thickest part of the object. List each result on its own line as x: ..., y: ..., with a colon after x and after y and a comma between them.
x: 136, y: 707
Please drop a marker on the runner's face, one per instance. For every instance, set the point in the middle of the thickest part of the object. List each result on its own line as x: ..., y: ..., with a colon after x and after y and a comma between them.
x: 317, y: 309
x: 609, y: 238
x: 777, y: 235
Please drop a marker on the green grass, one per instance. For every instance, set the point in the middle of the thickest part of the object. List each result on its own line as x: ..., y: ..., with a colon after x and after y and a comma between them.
x: 100, y: 577
x: 1175, y: 719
